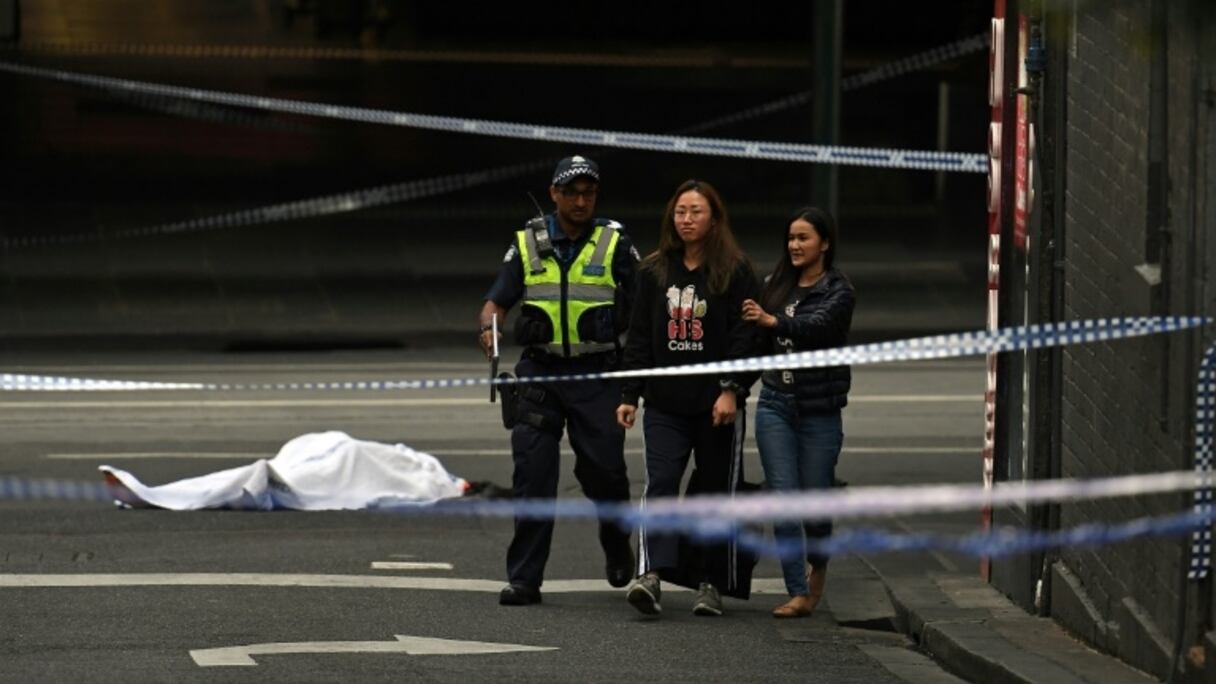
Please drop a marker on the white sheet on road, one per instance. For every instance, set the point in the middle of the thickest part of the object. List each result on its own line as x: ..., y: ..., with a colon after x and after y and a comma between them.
x: 316, y: 471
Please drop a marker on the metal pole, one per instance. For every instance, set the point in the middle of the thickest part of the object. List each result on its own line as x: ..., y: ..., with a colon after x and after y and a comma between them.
x: 943, y: 144
x: 827, y: 31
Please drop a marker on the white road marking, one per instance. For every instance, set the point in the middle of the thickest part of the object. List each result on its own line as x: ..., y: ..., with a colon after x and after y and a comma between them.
x: 373, y: 369
x: 497, y: 453
x: 639, y: 451
x: 401, y: 402
x: 262, y: 579
x: 912, y: 450
x: 914, y: 398
x: 241, y: 656
x: 158, y: 454
x: 409, y: 565
x: 244, y: 403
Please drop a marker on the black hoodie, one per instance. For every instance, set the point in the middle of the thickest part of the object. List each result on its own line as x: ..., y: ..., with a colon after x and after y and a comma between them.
x: 680, y: 322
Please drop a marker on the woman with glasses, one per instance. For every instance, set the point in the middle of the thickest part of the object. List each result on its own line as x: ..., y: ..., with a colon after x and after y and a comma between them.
x: 687, y: 305
x: 806, y: 304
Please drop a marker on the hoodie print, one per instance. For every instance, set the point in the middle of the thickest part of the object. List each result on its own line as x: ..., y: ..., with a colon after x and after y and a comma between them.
x: 685, y: 311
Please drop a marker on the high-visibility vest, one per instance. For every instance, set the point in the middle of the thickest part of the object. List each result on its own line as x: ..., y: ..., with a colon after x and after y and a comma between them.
x: 565, y: 295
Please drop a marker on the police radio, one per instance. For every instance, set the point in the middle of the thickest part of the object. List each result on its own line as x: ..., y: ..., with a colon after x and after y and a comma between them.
x: 540, y: 231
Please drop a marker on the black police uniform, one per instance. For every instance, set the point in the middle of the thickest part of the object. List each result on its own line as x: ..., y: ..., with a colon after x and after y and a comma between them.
x: 586, y: 409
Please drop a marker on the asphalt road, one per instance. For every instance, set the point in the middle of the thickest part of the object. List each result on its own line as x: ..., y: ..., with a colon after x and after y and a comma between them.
x: 92, y: 593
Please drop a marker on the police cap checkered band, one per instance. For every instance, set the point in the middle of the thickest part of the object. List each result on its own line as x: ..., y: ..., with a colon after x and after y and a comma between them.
x: 572, y: 167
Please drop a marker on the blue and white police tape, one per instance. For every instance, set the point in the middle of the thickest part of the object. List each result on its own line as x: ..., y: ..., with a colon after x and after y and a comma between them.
x: 744, y: 149
x: 735, y: 518
x: 380, y: 55
x: 719, y: 517
x: 373, y: 55
x: 709, y: 512
x: 202, y: 111
x: 936, y: 347
x: 292, y: 211
x: 412, y: 190
x: 1205, y: 403
x: 921, y: 60
x: 1003, y: 541
x: 42, y: 383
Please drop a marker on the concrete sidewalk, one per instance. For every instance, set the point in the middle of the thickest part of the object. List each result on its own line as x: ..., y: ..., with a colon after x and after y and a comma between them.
x: 974, y: 631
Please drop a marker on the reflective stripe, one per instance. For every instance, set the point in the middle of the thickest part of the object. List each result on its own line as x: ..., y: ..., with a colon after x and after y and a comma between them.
x: 543, y: 292
x: 591, y: 293
x: 581, y: 347
x: 601, y: 248
x: 588, y: 293
x: 533, y: 253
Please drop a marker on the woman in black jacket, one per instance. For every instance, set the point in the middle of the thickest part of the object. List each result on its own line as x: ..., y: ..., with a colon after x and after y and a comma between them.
x: 687, y: 306
x: 798, y: 426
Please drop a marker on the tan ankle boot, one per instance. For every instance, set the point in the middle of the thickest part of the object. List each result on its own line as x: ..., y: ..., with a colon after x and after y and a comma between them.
x: 797, y: 606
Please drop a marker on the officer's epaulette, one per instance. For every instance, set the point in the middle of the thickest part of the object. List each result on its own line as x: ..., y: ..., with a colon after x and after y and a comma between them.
x: 609, y: 223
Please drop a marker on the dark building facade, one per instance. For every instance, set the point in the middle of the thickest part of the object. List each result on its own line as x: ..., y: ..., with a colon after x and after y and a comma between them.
x: 84, y: 169
x: 1124, y: 111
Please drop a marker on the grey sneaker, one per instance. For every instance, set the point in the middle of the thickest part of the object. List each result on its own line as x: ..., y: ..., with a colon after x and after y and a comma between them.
x: 708, y: 601
x: 645, y: 594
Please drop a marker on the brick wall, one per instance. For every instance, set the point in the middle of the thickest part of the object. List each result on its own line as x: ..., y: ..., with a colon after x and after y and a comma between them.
x: 1127, y: 405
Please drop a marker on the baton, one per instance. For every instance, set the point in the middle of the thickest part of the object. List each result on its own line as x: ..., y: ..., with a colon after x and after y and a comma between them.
x: 494, y: 359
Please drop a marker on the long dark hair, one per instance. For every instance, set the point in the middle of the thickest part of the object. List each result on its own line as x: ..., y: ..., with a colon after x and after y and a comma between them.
x: 785, y: 275
x: 722, y: 252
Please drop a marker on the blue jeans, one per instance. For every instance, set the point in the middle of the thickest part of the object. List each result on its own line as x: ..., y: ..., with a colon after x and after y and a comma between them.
x: 798, y: 452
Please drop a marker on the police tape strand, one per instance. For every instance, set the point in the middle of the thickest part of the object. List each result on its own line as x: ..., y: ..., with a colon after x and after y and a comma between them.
x: 289, y: 211
x: 974, y: 343
x: 718, y: 518
x: 1006, y: 541
x: 744, y: 149
x: 913, y: 63
x: 379, y: 55
x: 1201, y: 538
x: 917, y: 62
x: 734, y: 518
x: 201, y: 111
x: 409, y: 191
x: 706, y: 516
x: 376, y: 56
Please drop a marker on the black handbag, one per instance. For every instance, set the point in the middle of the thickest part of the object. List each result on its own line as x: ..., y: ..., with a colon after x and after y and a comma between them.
x: 726, y: 564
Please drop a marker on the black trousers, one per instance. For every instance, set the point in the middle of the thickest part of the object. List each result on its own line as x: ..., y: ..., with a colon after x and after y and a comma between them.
x: 671, y: 438
x: 587, y: 411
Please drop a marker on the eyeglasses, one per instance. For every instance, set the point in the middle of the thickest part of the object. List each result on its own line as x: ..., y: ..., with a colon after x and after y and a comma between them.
x: 586, y: 193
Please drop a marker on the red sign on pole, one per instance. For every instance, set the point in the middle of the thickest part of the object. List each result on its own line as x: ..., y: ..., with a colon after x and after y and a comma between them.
x: 1022, y: 147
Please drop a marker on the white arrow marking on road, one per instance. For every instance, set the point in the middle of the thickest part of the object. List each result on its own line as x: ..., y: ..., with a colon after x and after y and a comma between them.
x: 410, y: 645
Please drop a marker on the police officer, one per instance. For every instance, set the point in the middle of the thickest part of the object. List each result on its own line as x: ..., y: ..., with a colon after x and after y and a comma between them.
x: 572, y: 275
